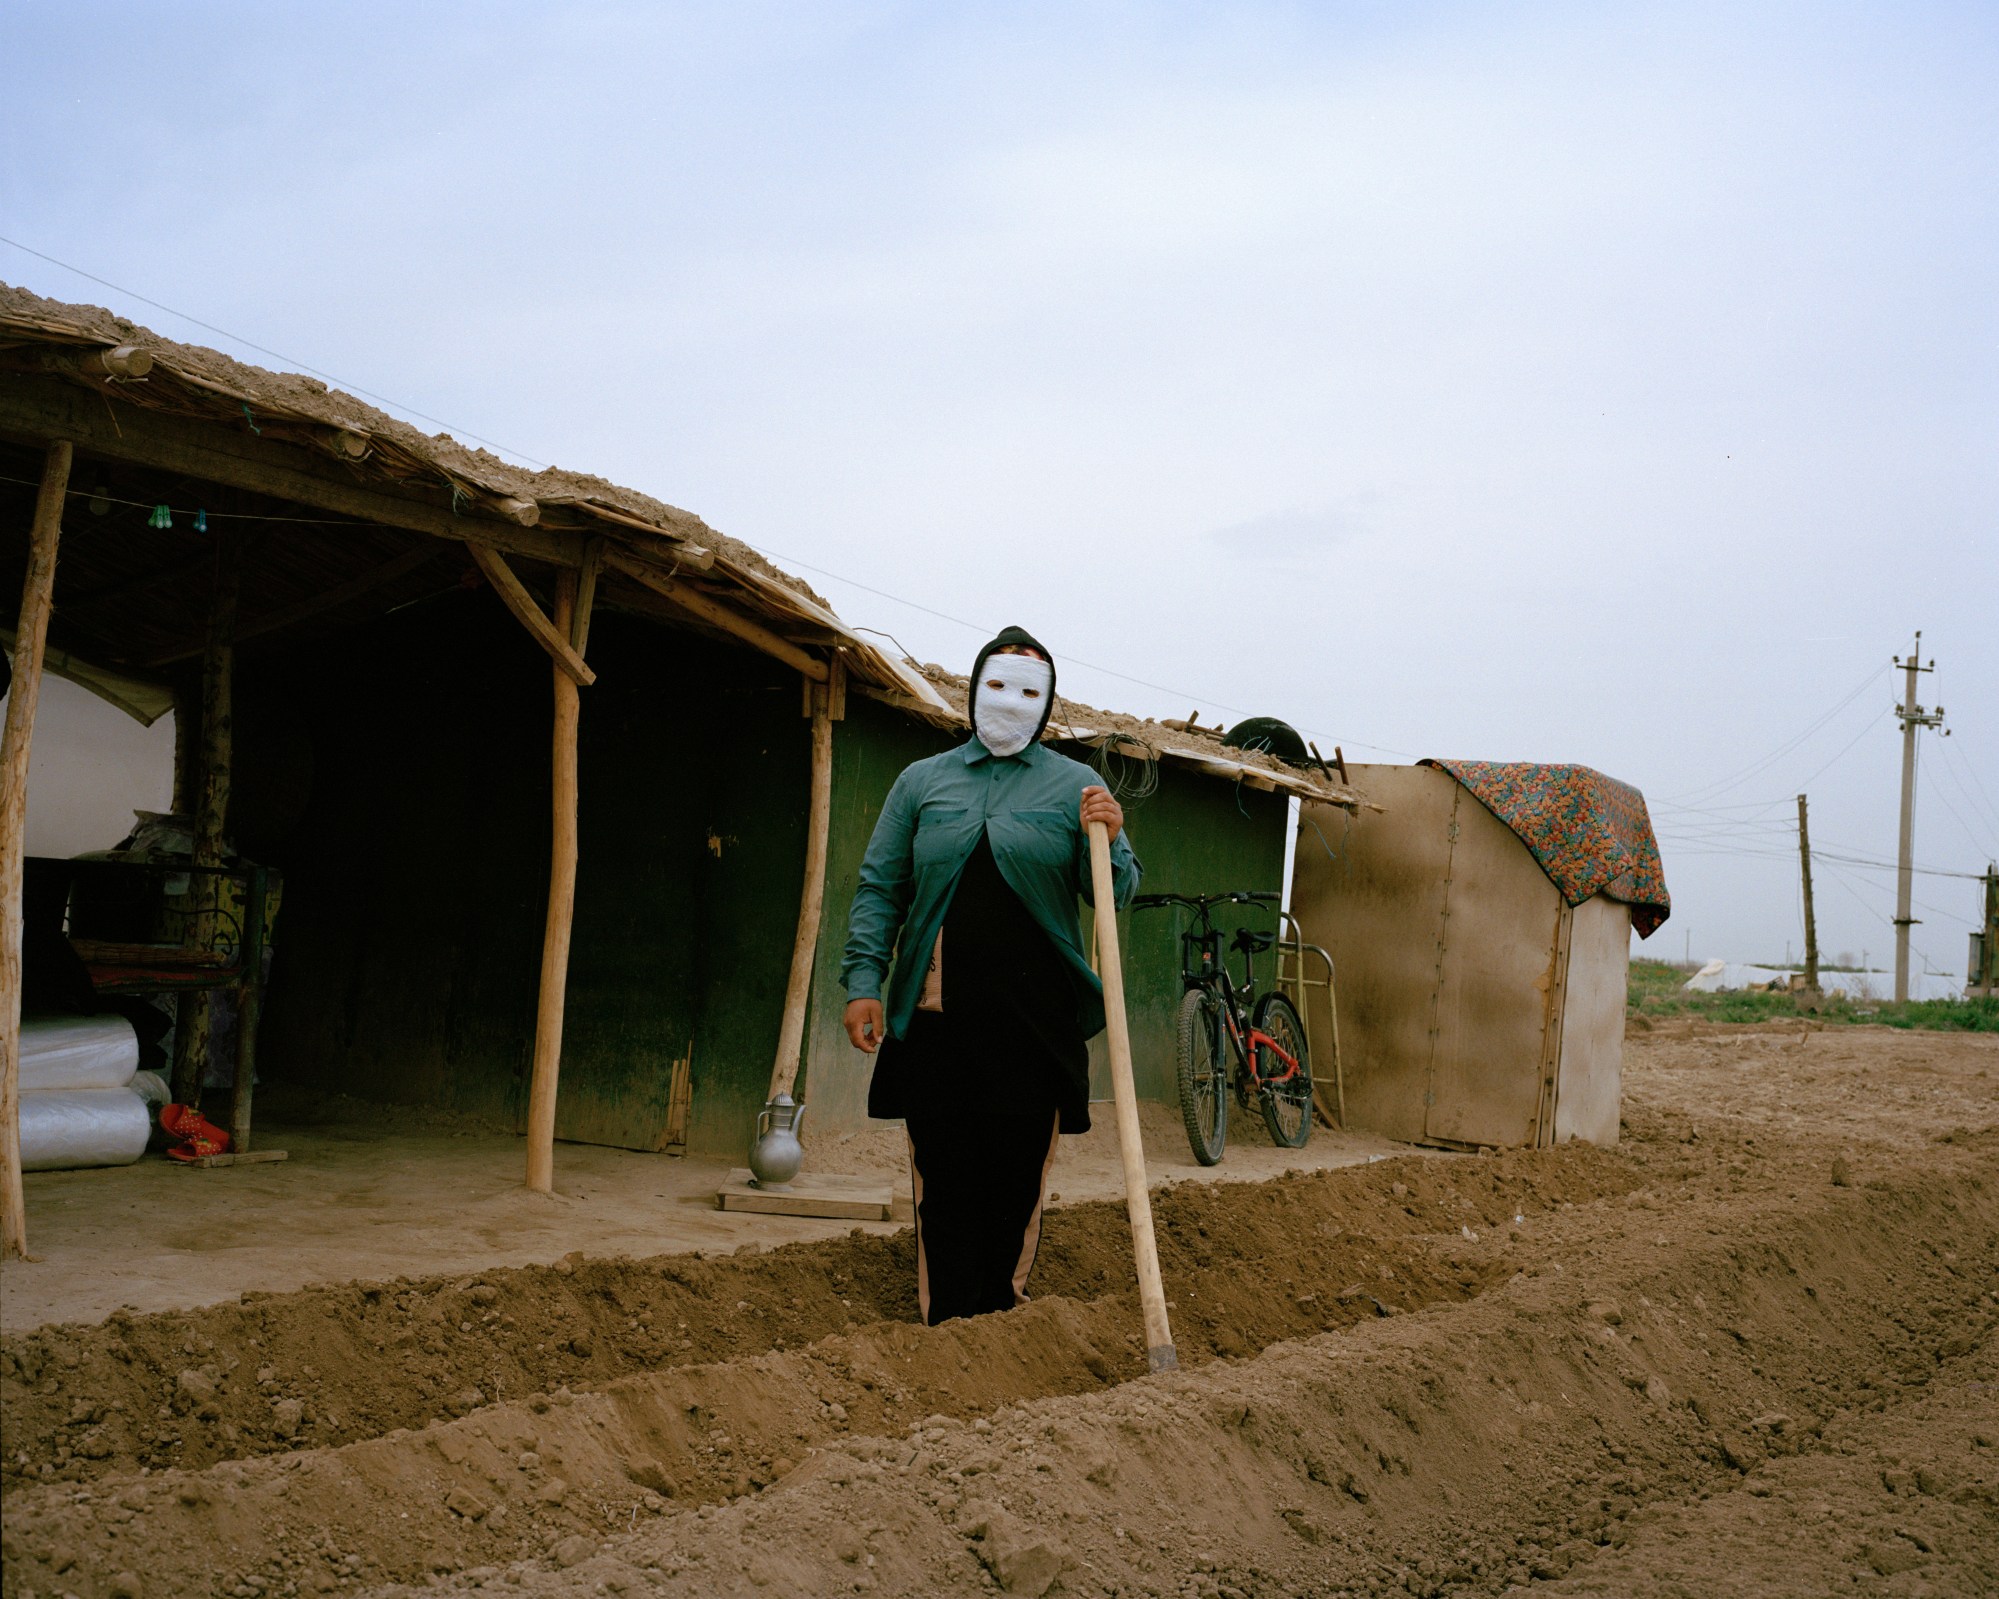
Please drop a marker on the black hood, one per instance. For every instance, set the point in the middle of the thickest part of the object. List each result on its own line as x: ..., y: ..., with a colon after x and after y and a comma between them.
x: 1020, y: 639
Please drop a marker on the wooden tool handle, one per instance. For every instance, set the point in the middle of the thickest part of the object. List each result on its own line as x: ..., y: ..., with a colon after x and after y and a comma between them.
x: 1159, y: 1351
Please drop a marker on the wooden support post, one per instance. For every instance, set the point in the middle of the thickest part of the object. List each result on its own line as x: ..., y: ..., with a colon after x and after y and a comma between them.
x: 1159, y: 1350
x: 561, y: 897
x: 196, y: 1011
x: 30, y: 639
x: 249, y: 1006
x: 805, y: 945
x: 1811, y: 922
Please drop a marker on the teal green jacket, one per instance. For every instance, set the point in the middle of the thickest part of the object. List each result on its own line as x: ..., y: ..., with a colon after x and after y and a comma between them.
x: 929, y: 826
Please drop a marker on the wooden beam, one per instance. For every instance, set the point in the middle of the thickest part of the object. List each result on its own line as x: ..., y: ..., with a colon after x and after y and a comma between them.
x: 318, y: 604
x: 123, y: 361
x: 805, y: 943
x: 30, y: 639
x: 187, y: 746
x: 48, y: 407
x: 718, y: 615
x: 550, y: 637
x: 684, y: 557
x: 586, y: 595
x: 561, y: 912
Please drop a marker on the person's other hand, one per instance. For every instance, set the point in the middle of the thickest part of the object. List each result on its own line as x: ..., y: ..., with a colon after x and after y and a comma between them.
x: 1098, y: 806
x: 864, y: 1024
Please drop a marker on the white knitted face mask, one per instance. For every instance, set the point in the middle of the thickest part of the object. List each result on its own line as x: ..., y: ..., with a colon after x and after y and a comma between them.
x: 1009, y: 700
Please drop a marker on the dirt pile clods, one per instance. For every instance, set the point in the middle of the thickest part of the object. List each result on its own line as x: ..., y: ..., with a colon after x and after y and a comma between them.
x: 1750, y: 1350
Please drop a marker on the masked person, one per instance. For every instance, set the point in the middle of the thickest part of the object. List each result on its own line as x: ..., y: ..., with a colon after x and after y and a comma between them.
x: 971, y: 881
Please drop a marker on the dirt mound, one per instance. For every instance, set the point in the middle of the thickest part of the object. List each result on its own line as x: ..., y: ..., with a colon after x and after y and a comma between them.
x: 613, y: 1388
x: 338, y: 1364
x: 1750, y: 1350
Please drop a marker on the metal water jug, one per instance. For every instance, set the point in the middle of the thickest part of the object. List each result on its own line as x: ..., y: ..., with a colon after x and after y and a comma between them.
x: 777, y: 1154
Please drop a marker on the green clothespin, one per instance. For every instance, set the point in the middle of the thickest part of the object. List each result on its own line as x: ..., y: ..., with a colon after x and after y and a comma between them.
x: 161, y: 517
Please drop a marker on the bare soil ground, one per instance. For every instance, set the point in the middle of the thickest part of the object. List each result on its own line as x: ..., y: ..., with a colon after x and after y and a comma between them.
x: 1749, y: 1351
x: 379, y: 1195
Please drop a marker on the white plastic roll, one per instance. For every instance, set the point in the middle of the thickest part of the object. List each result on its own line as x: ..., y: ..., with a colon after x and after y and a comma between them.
x: 68, y: 1127
x: 77, y: 1052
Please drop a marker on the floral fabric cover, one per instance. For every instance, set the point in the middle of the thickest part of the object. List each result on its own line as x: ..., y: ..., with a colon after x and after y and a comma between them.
x: 1591, y: 833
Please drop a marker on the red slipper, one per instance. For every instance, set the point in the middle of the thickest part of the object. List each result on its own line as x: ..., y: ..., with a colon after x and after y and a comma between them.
x: 199, y: 1137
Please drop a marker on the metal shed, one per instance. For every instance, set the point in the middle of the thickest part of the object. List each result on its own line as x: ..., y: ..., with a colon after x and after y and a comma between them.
x: 1480, y: 928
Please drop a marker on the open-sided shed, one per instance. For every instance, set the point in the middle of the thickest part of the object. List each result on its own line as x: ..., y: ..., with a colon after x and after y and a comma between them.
x: 1480, y: 926
x: 488, y: 873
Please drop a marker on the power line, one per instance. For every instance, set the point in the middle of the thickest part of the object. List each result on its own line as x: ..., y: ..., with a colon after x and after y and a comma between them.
x: 1937, y: 793
x: 1955, y: 760
x: 1929, y: 965
x: 251, y: 344
x: 1805, y: 786
x: 1983, y: 800
x: 985, y: 631
x: 1714, y: 790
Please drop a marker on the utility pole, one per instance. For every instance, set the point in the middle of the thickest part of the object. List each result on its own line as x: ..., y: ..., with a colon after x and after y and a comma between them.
x: 1981, y: 975
x: 1811, y: 926
x: 1912, y: 716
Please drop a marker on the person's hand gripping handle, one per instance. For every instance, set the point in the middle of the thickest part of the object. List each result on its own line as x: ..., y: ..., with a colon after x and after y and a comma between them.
x: 1159, y: 1350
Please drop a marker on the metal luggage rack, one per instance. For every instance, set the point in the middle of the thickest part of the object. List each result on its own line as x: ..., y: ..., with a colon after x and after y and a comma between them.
x: 1295, y: 982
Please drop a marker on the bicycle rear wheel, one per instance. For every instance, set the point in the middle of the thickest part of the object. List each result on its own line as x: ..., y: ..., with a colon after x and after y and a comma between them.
x: 1204, y: 1075
x: 1287, y: 1101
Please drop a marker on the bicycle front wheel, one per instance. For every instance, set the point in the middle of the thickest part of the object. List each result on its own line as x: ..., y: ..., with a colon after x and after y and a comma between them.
x: 1286, y: 1093
x: 1204, y: 1075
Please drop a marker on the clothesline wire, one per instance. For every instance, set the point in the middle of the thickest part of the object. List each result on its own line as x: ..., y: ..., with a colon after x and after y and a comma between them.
x: 231, y: 516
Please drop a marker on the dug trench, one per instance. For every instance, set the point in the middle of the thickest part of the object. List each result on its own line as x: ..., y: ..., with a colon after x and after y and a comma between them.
x: 421, y: 1425
x: 1434, y: 1376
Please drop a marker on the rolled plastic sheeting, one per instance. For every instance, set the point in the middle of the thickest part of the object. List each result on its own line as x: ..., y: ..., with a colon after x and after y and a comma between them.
x: 83, y: 1127
x: 152, y: 1088
x: 77, y: 1052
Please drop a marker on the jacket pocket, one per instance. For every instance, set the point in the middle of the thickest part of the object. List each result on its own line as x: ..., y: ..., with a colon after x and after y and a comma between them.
x: 1041, y: 837
x: 940, y: 835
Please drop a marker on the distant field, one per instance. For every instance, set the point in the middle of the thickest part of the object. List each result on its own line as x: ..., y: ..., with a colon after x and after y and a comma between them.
x: 1657, y: 988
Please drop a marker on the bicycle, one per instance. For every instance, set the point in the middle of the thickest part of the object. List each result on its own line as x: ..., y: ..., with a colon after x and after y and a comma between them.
x: 1217, y: 1019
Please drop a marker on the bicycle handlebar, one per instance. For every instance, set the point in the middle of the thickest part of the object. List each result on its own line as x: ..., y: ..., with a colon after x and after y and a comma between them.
x: 1202, y: 901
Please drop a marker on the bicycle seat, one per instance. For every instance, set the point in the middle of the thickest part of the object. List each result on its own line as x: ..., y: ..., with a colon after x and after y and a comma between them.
x: 1253, y: 943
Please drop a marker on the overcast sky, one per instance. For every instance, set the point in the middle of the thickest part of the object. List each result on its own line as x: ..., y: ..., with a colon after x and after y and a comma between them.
x: 1588, y: 382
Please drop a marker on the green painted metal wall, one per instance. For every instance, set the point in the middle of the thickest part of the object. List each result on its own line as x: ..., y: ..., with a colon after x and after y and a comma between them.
x: 417, y: 866
x: 1196, y: 835
x: 409, y: 953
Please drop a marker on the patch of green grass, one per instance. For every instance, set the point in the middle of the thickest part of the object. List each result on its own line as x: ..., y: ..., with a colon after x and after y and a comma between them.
x: 1658, y: 988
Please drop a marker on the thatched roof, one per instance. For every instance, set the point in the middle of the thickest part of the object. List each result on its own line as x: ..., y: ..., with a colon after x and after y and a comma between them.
x: 348, y: 442
x: 328, y: 441
x: 1140, y: 738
